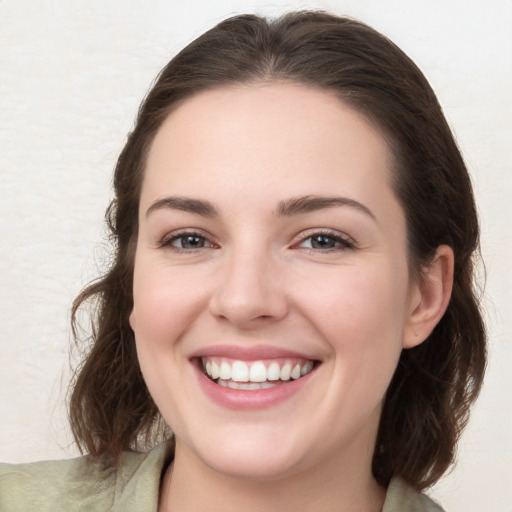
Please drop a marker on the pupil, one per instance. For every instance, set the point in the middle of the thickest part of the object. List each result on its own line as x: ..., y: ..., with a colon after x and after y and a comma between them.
x: 322, y: 242
x: 192, y: 242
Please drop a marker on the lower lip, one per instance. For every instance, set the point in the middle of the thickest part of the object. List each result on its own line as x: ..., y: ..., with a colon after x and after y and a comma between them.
x: 242, y: 399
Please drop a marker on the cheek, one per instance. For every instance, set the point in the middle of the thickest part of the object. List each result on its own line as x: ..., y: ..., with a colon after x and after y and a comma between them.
x: 368, y: 303
x: 165, y: 304
x: 360, y: 315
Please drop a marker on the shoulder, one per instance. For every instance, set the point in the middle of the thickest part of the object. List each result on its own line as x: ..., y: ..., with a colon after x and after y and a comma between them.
x: 82, y: 484
x: 401, y: 497
x: 55, y: 485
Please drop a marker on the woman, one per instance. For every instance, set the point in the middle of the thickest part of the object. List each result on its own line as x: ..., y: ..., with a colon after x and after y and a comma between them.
x: 291, y: 293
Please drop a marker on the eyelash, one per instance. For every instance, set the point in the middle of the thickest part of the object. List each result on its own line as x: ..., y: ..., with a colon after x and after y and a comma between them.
x: 344, y: 242
x: 167, y: 241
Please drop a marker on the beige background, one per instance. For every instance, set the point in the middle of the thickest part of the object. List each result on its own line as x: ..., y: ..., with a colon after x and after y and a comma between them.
x: 72, y: 74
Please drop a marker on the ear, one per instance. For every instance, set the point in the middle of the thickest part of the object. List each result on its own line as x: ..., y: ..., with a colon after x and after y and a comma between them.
x: 430, y: 296
x: 132, y: 319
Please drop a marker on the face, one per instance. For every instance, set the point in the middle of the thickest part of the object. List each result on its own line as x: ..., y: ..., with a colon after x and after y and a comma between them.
x: 271, y: 290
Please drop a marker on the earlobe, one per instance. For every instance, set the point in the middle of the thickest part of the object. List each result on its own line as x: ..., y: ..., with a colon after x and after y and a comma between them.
x: 430, y: 298
x: 131, y: 320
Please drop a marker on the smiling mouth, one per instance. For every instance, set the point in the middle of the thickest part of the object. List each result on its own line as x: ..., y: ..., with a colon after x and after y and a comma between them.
x: 254, y: 375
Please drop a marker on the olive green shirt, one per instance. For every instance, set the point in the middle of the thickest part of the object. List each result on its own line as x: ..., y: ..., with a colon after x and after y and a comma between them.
x: 81, y: 485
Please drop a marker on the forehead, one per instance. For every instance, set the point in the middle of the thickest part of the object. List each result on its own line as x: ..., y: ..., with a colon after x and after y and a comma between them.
x: 262, y: 136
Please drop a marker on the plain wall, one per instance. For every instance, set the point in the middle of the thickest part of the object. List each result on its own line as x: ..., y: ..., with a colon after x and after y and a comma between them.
x: 72, y: 74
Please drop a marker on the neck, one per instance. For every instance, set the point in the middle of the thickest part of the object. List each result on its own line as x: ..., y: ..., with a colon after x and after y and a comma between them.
x: 333, y: 486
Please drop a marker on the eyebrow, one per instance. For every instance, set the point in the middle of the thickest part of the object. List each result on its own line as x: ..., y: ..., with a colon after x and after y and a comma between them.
x: 305, y: 204
x: 186, y: 204
x: 294, y: 206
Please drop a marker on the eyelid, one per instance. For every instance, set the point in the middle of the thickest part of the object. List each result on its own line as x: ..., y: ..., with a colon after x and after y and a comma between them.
x: 166, y: 240
x: 347, y: 241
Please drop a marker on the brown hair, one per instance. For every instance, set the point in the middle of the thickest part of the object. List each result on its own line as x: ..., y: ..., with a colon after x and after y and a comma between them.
x: 428, y: 400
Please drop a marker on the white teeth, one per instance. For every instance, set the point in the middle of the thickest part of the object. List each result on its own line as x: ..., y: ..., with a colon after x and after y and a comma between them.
x: 254, y: 373
x: 258, y: 372
x: 273, y: 372
x: 306, y: 368
x: 239, y: 372
x: 286, y: 372
x: 249, y: 386
x: 225, y: 371
x: 215, y: 370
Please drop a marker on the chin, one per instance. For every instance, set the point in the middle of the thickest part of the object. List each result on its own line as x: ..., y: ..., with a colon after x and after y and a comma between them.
x: 256, y: 466
x: 251, y: 455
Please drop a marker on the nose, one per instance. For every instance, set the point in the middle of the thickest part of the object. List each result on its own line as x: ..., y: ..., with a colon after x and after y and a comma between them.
x: 250, y: 290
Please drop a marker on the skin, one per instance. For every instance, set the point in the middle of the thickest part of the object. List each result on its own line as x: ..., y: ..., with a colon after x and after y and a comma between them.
x: 258, y: 277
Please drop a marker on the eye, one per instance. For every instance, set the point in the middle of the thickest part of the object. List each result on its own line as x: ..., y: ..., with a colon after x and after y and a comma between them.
x: 187, y: 242
x: 326, y: 242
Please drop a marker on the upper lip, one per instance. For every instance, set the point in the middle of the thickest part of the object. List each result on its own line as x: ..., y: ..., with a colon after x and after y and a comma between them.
x: 252, y: 353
